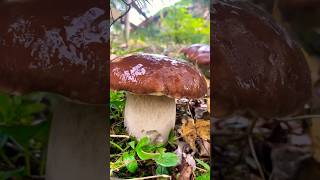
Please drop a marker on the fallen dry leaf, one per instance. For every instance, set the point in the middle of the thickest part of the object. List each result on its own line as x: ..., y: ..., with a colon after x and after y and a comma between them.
x: 204, y: 148
x: 186, y: 171
x: 189, y: 133
x: 203, y: 129
x: 191, y: 130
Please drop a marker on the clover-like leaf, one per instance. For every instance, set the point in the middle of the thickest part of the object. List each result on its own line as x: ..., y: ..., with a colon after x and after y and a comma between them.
x: 130, y: 161
x: 144, y: 150
x: 167, y: 159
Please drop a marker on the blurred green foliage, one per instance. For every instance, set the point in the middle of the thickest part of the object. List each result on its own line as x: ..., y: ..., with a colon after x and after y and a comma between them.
x: 117, y: 102
x: 23, y: 133
x: 16, y: 110
x: 181, y: 27
x: 176, y: 24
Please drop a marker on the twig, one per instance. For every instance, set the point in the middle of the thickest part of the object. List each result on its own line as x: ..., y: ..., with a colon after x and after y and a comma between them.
x: 129, y: 7
x: 117, y: 146
x: 37, y: 177
x: 253, y: 151
x: 271, y: 175
x: 6, y: 159
x: 152, y: 177
x: 299, y: 117
x: 200, y: 169
x: 189, y: 109
x: 251, y: 127
x: 119, y: 136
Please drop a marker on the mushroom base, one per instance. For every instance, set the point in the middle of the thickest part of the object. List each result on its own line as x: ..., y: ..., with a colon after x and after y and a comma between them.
x: 147, y: 115
x: 77, y: 143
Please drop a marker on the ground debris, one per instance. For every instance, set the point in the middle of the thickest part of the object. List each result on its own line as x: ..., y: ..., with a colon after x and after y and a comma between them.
x: 192, y: 130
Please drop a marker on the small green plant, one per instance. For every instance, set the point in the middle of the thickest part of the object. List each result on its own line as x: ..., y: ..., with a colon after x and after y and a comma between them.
x: 117, y: 102
x: 19, y: 129
x: 144, y: 150
x: 206, y: 175
x: 17, y: 110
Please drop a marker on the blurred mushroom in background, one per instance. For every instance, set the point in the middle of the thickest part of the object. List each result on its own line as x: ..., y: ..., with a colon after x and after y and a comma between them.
x: 199, y: 54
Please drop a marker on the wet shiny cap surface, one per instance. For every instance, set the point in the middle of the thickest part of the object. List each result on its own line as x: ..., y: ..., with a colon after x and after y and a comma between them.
x: 198, y: 53
x: 156, y: 75
x: 257, y: 67
x: 55, y: 46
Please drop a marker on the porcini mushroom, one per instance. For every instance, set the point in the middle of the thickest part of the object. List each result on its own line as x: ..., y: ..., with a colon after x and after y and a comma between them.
x: 152, y: 83
x: 257, y: 66
x: 194, y: 50
x: 61, y: 47
x: 258, y: 69
x: 199, y: 54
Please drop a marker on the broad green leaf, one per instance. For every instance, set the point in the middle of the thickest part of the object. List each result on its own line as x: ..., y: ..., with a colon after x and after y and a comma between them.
x: 162, y: 170
x: 29, y: 109
x: 205, y: 176
x: 16, y: 174
x: 205, y: 165
x: 132, y: 144
x: 161, y: 150
x: 143, y: 149
x: 130, y: 161
x: 143, y: 142
x: 143, y: 155
x: 22, y: 134
x: 167, y: 159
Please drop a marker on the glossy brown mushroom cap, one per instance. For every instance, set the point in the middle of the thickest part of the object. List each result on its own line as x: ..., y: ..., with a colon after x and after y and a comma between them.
x: 156, y: 75
x: 55, y: 46
x: 191, y: 49
x: 257, y: 67
x: 198, y: 53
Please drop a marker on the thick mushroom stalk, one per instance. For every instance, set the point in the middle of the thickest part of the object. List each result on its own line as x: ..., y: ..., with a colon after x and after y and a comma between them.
x: 77, y: 143
x: 148, y: 115
x: 158, y: 80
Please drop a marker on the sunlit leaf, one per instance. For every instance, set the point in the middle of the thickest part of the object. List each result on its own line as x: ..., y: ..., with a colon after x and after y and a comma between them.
x: 130, y: 161
x: 167, y: 159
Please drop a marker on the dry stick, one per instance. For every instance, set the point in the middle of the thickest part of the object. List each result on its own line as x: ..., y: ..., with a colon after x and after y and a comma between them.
x: 153, y: 177
x: 299, y: 117
x: 129, y: 7
x: 142, y: 178
x: 271, y: 175
x: 189, y: 109
x: 119, y: 136
x: 253, y: 151
x: 200, y: 169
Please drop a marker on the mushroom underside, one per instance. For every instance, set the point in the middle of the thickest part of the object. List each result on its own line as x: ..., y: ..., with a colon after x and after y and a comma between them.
x: 149, y: 115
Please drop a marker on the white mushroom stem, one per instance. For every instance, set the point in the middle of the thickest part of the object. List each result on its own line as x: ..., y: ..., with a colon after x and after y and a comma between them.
x: 148, y: 115
x: 78, y: 143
